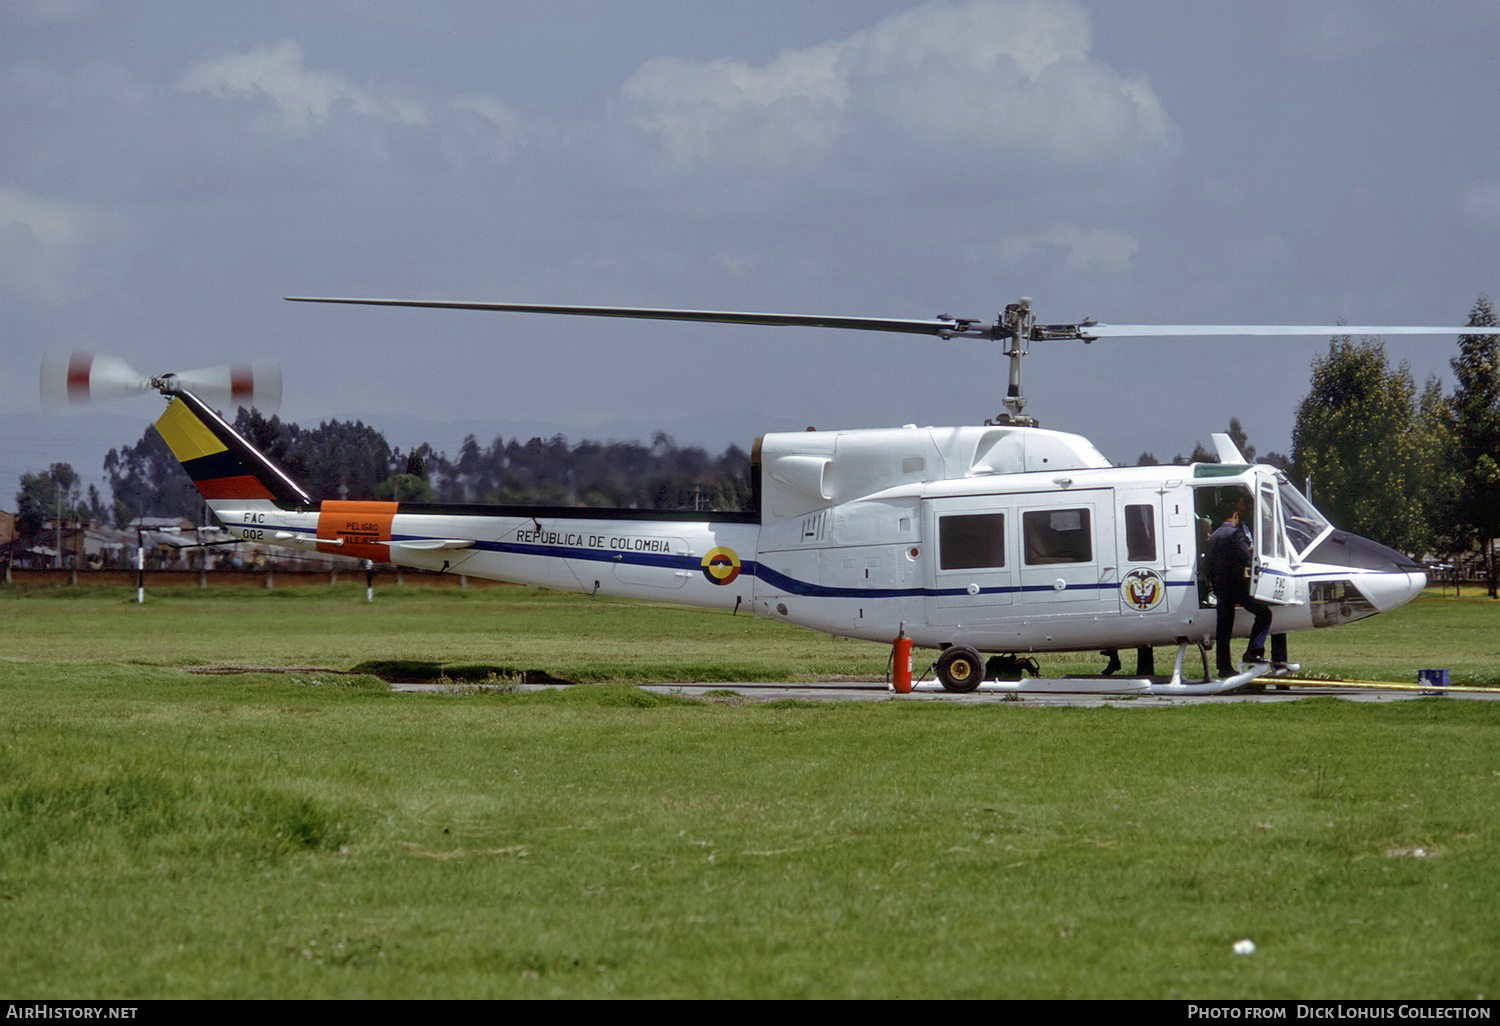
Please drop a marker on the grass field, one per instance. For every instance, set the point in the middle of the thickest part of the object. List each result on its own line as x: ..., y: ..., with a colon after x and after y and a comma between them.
x: 311, y: 834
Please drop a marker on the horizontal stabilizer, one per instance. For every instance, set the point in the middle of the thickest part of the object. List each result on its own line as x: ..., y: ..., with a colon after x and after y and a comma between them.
x: 303, y: 541
x: 433, y: 544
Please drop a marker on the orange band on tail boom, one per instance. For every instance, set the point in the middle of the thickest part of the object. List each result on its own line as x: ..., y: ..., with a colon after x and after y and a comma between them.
x: 365, y: 527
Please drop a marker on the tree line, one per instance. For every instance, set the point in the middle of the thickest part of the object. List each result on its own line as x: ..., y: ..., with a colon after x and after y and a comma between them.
x: 350, y: 459
x: 339, y: 458
x: 1415, y: 468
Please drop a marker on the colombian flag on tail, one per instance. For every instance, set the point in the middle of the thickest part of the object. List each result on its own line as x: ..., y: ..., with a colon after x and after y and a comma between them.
x: 221, y: 463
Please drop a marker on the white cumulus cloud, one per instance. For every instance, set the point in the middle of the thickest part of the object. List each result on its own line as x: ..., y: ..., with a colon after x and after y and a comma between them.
x: 302, y: 98
x: 785, y: 110
x: 945, y: 82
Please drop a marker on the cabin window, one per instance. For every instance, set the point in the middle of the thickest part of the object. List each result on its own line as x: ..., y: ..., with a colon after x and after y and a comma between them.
x: 1140, y: 533
x: 1058, y: 536
x: 971, y: 541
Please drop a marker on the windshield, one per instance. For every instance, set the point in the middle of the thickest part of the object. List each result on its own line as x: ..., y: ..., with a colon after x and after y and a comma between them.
x: 1304, y: 524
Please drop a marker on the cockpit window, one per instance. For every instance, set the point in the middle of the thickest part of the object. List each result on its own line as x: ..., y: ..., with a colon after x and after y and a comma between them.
x: 1304, y: 524
x: 1269, y: 534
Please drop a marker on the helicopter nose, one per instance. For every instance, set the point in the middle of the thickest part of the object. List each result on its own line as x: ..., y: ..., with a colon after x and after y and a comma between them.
x: 1387, y: 591
x: 1386, y: 578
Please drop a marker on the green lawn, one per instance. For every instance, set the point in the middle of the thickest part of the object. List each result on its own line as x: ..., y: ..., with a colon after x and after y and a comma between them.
x: 606, y: 640
x: 310, y: 834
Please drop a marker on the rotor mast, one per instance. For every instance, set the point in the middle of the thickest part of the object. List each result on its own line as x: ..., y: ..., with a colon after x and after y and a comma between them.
x: 1017, y: 322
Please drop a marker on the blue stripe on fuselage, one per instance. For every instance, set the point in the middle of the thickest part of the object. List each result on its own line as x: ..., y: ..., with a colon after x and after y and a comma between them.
x: 752, y: 568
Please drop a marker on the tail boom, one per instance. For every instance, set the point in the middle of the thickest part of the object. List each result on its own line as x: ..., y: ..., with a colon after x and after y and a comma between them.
x: 680, y: 557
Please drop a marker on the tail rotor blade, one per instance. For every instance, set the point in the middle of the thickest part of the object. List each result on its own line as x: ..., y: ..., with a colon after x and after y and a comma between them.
x: 255, y: 385
x: 77, y: 378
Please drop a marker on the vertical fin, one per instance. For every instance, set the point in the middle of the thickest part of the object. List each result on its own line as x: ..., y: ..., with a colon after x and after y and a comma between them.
x: 221, y: 463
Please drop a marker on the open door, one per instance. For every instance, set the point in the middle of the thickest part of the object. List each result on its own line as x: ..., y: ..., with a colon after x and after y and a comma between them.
x: 1273, y: 579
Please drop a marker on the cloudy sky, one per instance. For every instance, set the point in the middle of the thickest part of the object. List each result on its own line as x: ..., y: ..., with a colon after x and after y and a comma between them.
x: 171, y: 169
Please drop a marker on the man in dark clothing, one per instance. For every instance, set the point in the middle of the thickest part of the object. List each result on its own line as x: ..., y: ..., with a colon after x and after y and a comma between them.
x: 1229, y: 575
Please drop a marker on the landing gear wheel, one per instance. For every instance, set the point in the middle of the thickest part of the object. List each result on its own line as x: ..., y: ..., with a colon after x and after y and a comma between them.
x: 960, y: 668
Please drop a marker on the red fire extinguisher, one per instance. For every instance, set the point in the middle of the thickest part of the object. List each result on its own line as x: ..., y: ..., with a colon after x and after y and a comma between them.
x: 901, y: 663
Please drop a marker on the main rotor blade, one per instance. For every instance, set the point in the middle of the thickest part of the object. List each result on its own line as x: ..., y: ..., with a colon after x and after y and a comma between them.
x: 942, y: 326
x: 1093, y: 331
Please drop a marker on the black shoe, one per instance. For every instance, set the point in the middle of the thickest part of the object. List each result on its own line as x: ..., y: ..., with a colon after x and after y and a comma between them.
x: 1254, y: 657
x: 1226, y: 672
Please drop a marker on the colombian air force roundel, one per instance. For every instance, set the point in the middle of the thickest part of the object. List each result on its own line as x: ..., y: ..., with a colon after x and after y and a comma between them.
x: 1143, y: 589
x: 721, y: 566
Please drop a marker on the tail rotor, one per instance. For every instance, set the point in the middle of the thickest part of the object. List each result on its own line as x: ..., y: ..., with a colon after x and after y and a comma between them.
x: 70, y: 380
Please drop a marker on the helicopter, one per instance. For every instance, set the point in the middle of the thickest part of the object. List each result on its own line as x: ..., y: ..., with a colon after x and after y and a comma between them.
x: 988, y: 543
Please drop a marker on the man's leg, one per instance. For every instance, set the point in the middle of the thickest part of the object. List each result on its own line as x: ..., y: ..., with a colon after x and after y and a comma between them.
x: 1224, y: 637
x: 1145, y: 661
x: 1278, y: 649
x: 1255, y: 651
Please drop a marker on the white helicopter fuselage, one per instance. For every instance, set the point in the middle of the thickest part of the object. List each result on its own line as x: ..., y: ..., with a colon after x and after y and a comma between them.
x: 1003, y: 539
